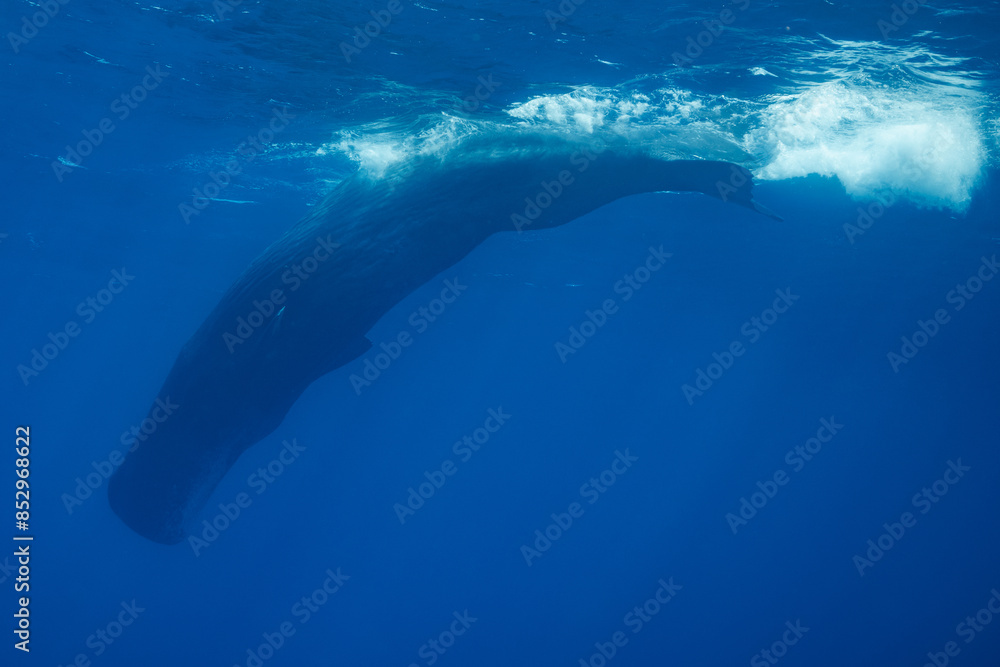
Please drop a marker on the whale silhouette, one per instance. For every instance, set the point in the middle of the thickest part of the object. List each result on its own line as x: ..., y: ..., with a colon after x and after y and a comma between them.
x: 304, y: 306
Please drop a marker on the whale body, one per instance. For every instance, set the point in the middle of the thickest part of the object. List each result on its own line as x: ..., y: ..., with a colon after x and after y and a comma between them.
x: 304, y: 306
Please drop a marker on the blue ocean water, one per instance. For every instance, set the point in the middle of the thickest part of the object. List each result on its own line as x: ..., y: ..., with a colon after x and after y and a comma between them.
x: 779, y: 445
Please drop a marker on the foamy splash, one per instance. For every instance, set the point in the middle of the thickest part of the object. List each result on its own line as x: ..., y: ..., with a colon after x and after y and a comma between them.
x: 919, y: 138
x: 874, y: 140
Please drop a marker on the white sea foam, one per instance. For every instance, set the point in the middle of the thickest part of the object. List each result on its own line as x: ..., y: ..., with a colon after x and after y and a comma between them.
x: 589, y: 109
x: 918, y: 138
x: 873, y: 139
x: 376, y: 148
x: 373, y: 154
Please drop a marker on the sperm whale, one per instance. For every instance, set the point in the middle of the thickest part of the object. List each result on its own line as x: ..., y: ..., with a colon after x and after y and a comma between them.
x: 304, y: 306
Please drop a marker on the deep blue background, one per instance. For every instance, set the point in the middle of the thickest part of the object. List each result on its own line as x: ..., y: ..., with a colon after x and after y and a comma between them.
x: 494, y: 347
